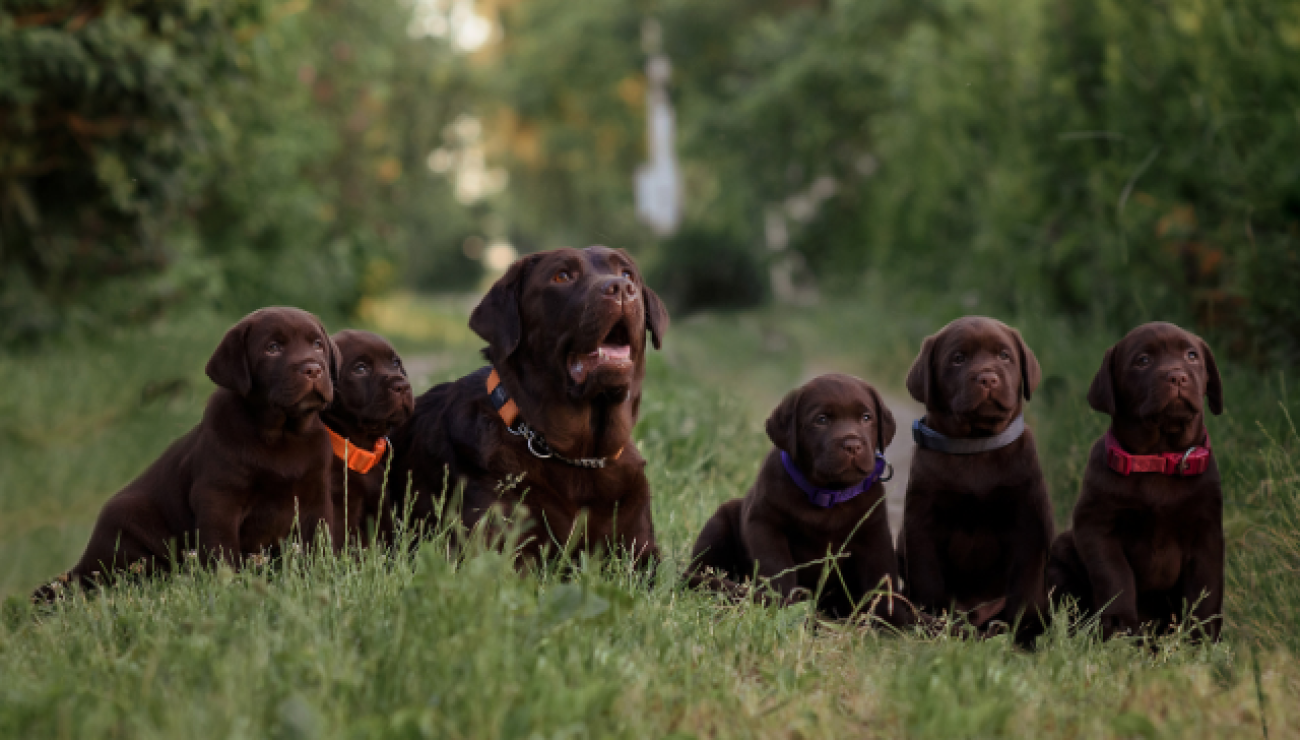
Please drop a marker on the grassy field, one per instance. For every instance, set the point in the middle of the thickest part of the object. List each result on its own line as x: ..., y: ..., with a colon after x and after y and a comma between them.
x: 429, y: 645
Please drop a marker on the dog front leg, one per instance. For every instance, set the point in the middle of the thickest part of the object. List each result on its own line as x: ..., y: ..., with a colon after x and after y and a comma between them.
x: 217, y: 524
x: 1114, y: 587
x: 1203, y: 582
x: 873, y: 572
x: 1027, y: 592
x: 770, y: 548
x: 316, y: 513
x: 923, y: 582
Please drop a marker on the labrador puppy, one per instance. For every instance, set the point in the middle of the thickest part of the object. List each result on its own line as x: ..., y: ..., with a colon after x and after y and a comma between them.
x: 819, y: 494
x: 1146, y: 547
x: 372, y: 397
x: 977, y: 522
x: 551, y: 416
x: 256, y: 464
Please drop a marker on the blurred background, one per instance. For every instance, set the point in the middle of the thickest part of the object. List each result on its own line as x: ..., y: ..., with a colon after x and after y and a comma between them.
x: 1096, y: 160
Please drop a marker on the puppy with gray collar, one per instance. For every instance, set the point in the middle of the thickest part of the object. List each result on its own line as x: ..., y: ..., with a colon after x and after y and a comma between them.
x: 977, y: 522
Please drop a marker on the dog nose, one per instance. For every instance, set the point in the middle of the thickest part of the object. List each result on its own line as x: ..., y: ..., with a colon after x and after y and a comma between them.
x: 989, y: 380
x: 398, y: 384
x: 619, y: 288
x: 1178, y: 378
x: 312, y: 370
x: 852, y: 445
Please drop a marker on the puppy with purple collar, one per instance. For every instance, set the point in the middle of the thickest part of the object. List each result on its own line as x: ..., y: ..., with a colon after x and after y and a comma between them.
x: 819, y: 493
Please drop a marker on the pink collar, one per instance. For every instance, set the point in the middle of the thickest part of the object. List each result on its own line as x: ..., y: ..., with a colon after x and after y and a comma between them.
x: 1192, y: 462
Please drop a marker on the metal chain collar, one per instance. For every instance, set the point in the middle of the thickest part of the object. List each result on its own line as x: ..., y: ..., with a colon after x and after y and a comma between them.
x: 540, y: 449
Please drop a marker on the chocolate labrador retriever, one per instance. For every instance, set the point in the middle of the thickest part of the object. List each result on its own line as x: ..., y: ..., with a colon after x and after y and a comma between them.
x: 819, y: 493
x: 1147, y: 540
x: 371, y: 397
x: 551, y: 417
x: 235, y: 484
x: 977, y: 523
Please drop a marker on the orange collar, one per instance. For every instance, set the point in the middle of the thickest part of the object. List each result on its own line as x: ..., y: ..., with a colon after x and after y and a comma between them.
x: 362, y: 461
x: 501, y: 401
x: 509, y: 413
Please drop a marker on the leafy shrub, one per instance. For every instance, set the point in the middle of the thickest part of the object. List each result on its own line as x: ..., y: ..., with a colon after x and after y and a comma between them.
x: 700, y: 269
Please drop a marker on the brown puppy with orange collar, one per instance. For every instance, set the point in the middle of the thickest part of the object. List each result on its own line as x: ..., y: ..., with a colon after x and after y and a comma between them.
x: 1147, y: 543
x: 371, y: 397
x: 819, y: 493
x: 977, y: 523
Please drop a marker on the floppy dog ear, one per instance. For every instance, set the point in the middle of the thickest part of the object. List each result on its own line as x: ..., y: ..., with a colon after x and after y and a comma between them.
x: 656, y: 316
x: 335, y: 355
x: 1101, y: 394
x: 920, y: 379
x: 496, y: 318
x: 885, y: 426
x: 1214, y: 383
x: 783, y: 424
x: 228, y: 366
x: 1031, y: 374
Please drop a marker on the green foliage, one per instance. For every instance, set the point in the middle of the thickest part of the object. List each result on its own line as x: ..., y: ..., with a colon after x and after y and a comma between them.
x: 100, y: 107
x: 236, y: 154
x: 1097, y: 159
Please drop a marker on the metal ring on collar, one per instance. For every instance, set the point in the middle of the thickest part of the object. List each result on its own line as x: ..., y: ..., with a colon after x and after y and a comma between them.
x: 543, y: 455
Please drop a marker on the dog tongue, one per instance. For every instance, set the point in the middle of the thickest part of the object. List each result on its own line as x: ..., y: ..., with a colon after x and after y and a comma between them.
x: 581, y: 365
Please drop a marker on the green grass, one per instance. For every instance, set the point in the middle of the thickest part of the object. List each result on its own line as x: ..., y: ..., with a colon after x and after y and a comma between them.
x: 433, y: 645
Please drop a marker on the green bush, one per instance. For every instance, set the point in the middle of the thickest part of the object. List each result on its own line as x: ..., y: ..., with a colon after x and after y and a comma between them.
x: 233, y: 154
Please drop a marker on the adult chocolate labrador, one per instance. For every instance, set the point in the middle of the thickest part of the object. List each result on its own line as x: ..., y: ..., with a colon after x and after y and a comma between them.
x: 372, y: 396
x: 1147, y: 540
x: 818, y: 495
x: 236, y: 483
x: 551, y: 417
x: 977, y: 523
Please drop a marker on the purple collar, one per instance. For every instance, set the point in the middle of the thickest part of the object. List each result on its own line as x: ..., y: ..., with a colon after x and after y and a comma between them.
x: 827, y: 497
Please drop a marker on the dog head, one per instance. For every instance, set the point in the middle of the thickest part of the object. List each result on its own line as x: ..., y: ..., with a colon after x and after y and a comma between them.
x: 281, y: 357
x: 1157, y: 376
x: 580, y: 316
x: 832, y: 426
x: 976, y: 370
x: 372, y: 390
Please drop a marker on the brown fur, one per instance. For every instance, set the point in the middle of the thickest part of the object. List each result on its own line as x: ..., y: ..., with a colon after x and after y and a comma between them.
x: 372, y: 397
x: 233, y: 485
x: 541, y: 320
x: 777, y: 534
x: 977, y: 527
x: 1146, y: 546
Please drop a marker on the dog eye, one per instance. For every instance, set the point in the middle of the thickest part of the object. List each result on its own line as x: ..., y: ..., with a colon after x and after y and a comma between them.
x: 821, y: 420
x: 959, y: 358
x: 563, y: 276
x: 397, y: 362
x: 318, y: 344
x: 1005, y: 356
x: 629, y: 274
x: 1142, y: 360
x: 866, y: 416
x: 360, y: 368
x: 1191, y: 355
x: 274, y: 348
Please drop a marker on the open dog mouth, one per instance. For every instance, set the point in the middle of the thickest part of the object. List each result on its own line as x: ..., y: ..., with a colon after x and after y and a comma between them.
x: 614, y: 352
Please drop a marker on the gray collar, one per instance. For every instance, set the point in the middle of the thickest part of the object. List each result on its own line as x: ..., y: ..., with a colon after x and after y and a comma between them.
x: 932, y: 440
